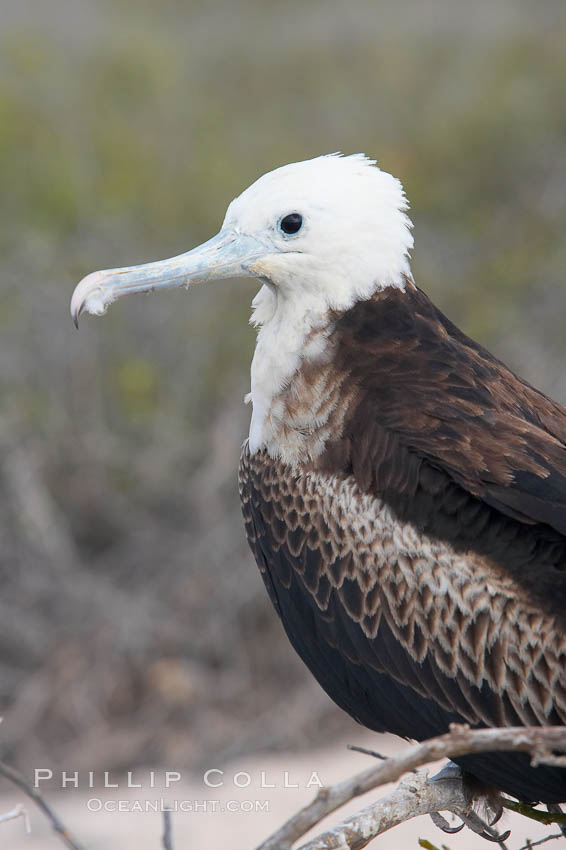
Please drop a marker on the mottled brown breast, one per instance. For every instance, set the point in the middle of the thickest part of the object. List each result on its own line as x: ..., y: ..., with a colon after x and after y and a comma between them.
x: 402, y: 631
x: 469, y: 616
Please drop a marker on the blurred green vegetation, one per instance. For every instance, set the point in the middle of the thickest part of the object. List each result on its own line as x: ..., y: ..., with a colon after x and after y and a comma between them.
x: 125, y: 130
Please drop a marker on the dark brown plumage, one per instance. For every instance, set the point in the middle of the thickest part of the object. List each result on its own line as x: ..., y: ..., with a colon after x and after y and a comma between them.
x: 418, y: 563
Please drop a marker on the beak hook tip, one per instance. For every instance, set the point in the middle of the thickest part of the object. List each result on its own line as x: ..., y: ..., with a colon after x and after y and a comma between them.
x: 75, y: 314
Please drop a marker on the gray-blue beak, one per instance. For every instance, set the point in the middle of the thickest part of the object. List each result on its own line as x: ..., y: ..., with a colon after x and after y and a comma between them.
x: 228, y: 254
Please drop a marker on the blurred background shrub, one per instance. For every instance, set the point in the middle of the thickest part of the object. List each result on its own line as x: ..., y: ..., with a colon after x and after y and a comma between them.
x: 134, y: 627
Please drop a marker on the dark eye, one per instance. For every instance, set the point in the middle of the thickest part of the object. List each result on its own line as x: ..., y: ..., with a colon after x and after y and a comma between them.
x: 292, y: 223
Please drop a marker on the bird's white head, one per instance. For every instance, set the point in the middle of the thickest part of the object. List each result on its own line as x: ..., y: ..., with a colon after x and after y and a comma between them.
x: 335, y: 230
x: 322, y: 233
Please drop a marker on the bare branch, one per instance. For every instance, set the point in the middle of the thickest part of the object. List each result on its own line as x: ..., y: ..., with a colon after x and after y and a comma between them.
x: 539, y: 741
x: 364, y: 751
x: 535, y: 814
x: 167, y: 839
x: 546, y: 838
x: 17, y: 812
x: 17, y: 778
x: 415, y: 795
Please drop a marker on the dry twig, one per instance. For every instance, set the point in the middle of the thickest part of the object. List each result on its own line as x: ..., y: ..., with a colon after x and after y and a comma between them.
x: 539, y: 741
x: 544, y: 840
x: 167, y: 832
x: 415, y: 795
x: 17, y: 812
x: 17, y: 778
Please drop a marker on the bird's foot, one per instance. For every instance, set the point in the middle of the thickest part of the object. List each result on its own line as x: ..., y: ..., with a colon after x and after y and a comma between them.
x: 473, y: 821
x: 441, y: 822
x: 476, y: 824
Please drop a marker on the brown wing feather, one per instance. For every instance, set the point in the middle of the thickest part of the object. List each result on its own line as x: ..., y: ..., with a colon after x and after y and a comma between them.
x: 452, y: 440
x: 451, y: 403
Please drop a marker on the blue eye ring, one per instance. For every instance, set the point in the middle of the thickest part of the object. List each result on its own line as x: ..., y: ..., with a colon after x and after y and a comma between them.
x: 291, y: 223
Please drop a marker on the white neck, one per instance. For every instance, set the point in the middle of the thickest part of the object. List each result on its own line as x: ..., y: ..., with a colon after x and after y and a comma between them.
x: 292, y: 330
x: 281, y: 344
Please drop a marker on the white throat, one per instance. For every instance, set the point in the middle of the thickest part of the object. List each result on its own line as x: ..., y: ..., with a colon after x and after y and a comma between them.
x: 287, y: 335
x: 292, y: 331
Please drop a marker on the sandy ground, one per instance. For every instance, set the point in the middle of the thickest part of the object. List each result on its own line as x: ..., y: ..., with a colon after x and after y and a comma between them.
x: 220, y: 813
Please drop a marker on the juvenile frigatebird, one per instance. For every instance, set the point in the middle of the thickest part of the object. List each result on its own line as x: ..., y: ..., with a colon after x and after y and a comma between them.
x: 404, y: 492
